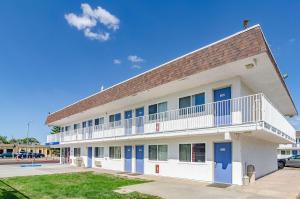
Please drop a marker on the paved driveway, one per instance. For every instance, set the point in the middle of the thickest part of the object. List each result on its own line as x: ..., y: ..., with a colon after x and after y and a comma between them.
x: 282, y: 184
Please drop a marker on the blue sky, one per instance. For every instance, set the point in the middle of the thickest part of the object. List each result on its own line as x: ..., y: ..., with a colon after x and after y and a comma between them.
x: 52, y: 55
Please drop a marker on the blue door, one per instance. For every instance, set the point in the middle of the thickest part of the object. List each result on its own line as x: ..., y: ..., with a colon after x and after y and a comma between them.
x: 139, y: 152
x: 222, y: 107
x: 128, y: 158
x: 223, y: 163
x: 139, y: 122
x: 90, y: 157
x: 128, y: 122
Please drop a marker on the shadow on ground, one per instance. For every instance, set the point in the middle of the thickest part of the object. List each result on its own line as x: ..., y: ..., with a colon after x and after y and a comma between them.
x: 8, y: 192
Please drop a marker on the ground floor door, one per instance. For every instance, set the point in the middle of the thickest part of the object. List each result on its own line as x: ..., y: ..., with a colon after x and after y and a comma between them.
x: 128, y: 159
x: 223, y: 163
x: 90, y: 157
x: 139, y: 152
x: 65, y: 155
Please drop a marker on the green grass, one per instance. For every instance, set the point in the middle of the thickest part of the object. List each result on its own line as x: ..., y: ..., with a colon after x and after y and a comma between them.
x: 86, y: 185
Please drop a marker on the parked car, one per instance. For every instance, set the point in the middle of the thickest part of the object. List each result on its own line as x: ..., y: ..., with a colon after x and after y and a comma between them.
x: 38, y: 155
x: 24, y: 155
x: 293, y: 161
x: 7, y: 155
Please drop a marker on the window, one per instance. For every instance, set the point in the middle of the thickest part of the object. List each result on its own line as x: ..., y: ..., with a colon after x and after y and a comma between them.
x: 198, y: 154
x: 99, y: 152
x: 194, y: 100
x: 157, y: 108
x: 76, y: 152
x: 90, y: 123
x: 282, y: 152
x: 115, y: 152
x: 115, y: 120
x: 184, y: 102
x: 67, y: 128
x: 158, y: 152
x: 184, y: 152
x: 76, y: 126
x: 192, y: 152
x: 62, y: 129
x: 99, y: 121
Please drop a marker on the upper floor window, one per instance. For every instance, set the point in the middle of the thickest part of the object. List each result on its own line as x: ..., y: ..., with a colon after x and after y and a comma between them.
x: 76, y: 126
x: 115, y: 120
x: 154, y: 109
x: 99, y: 121
x: 90, y: 123
x: 191, y: 101
x: 67, y: 128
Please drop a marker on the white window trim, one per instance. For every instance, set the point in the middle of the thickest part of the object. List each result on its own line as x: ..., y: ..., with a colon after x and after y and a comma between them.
x: 191, y: 162
x: 158, y: 161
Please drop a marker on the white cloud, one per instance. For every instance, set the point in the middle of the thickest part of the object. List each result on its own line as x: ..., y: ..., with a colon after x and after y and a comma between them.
x: 80, y: 22
x: 117, y: 61
x: 135, y: 66
x: 102, y: 36
x: 135, y: 59
x: 102, y: 15
x: 90, y: 18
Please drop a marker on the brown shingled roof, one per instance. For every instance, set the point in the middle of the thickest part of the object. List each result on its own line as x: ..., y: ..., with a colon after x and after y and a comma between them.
x: 245, y: 44
x: 297, y: 133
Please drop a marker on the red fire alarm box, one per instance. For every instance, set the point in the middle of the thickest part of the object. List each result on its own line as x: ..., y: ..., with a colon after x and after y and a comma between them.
x: 157, y: 168
x: 157, y: 127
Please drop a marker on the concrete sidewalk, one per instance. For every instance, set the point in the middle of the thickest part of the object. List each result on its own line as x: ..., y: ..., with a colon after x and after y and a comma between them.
x: 283, y: 184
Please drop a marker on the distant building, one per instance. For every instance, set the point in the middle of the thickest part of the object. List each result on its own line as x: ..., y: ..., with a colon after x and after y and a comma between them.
x: 16, y: 148
x: 288, y: 150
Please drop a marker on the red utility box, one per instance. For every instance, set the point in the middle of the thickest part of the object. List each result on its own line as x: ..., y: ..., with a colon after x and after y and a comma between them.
x: 157, y: 168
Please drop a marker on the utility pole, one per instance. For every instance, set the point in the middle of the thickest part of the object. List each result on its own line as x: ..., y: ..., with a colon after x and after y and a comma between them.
x: 27, y: 135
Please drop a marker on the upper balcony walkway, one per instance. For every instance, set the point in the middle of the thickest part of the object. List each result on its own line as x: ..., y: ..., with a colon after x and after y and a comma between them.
x: 254, y: 110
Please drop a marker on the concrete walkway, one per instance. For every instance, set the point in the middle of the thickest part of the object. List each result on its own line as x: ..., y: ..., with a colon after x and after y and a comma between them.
x: 284, y: 184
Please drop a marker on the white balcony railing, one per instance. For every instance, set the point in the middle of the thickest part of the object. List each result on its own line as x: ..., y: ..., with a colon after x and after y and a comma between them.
x: 238, y: 111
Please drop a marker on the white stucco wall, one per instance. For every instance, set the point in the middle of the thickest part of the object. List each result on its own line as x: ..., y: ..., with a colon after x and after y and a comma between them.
x: 260, y: 153
x: 173, y: 167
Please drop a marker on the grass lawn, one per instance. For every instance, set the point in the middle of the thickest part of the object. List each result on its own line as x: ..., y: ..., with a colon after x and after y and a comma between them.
x: 73, y: 185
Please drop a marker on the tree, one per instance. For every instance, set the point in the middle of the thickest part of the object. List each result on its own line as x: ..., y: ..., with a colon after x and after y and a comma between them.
x: 3, y: 140
x: 55, y: 129
x: 29, y: 140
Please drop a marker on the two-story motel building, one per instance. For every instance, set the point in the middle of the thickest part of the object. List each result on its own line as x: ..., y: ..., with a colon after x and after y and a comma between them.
x: 204, y: 116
